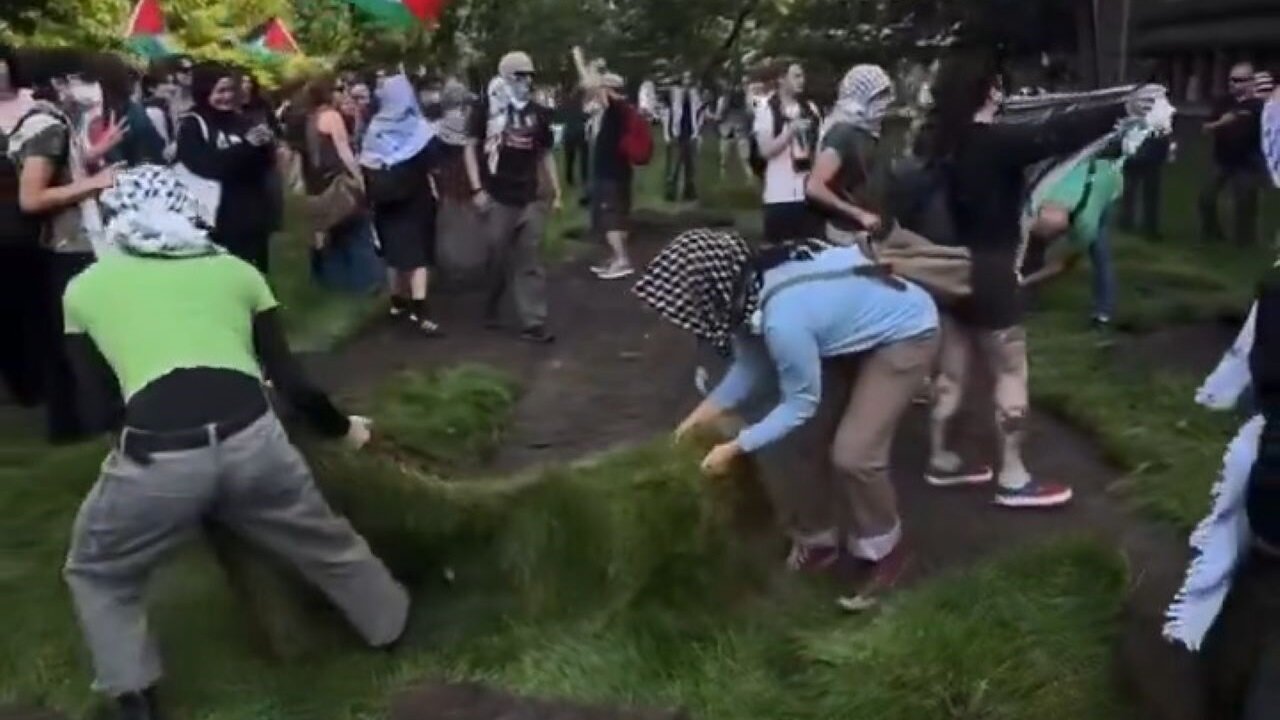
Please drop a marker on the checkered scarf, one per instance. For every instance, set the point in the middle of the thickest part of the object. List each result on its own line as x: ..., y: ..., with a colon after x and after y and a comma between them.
x: 695, y: 282
x: 150, y: 212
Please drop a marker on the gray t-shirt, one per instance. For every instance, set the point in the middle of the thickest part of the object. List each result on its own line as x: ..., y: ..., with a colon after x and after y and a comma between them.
x: 860, y: 180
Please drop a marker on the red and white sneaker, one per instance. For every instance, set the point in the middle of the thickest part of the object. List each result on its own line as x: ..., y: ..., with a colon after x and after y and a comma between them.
x: 943, y: 479
x: 1035, y: 494
x: 885, y: 576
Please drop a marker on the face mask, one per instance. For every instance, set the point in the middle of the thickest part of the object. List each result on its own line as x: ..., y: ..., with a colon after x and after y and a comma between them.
x: 594, y: 107
x: 521, y: 90
x: 84, y: 95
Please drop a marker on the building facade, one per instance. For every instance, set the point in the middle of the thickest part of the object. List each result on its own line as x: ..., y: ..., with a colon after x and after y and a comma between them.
x: 1191, y: 44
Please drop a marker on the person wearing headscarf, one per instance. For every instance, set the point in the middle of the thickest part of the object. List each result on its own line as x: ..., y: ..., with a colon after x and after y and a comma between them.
x: 847, y: 168
x: 173, y: 339
x: 219, y: 143
x: 845, y: 345
x: 399, y: 152
x: 460, y: 259
x: 516, y: 138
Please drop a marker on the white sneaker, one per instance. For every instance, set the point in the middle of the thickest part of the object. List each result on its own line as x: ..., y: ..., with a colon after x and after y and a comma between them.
x: 617, y: 271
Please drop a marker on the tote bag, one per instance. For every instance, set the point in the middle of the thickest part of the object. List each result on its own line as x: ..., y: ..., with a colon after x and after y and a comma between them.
x: 207, y: 193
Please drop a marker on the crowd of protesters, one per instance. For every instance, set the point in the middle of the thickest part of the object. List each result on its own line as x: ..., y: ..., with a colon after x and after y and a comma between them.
x: 137, y: 212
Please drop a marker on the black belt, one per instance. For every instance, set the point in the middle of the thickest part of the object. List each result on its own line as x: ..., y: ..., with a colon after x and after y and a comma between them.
x: 140, y: 445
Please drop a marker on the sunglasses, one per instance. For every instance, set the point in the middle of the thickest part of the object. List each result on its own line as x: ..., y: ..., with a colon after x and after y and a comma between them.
x: 1240, y: 79
x: 524, y: 75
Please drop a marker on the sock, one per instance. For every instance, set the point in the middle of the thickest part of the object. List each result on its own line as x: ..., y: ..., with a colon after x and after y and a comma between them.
x: 398, y: 304
x: 418, y: 309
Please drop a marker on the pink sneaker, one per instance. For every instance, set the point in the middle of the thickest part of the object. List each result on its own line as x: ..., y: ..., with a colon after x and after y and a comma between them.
x: 1035, y: 494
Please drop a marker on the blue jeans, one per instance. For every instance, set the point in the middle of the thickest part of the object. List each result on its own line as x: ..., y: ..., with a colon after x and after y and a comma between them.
x: 1103, y: 273
x: 349, y: 262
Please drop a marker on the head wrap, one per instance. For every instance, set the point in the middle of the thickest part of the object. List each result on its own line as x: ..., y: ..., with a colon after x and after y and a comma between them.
x: 204, y: 78
x: 150, y: 212
x: 398, y: 131
x: 703, y: 282
x: 866, y: 92
x: 455, y: 102
x: 505, y: 91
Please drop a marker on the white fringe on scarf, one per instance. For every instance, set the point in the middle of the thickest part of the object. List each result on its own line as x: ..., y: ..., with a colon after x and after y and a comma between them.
x: 1221, y: 538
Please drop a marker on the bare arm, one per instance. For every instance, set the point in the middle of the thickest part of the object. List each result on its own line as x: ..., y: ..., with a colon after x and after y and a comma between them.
x: 332, y: 125
x: 553, y: 177
x: 36, y: 195
x: 818, y: 189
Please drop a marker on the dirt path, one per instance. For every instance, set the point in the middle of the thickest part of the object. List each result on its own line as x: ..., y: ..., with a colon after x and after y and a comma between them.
x: 619, y: 375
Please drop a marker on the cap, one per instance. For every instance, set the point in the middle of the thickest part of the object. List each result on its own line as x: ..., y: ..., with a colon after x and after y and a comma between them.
x: 515, y: 62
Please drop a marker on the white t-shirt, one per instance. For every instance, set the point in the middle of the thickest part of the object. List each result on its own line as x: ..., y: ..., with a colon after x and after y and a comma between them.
x: 782, y: 184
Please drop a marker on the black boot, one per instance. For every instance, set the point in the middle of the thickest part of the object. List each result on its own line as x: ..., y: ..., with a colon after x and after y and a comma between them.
x: 138, y: 706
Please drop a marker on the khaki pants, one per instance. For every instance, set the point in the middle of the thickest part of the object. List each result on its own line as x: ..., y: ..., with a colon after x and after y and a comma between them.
x: 830, y: 478
x: 1004, y: 353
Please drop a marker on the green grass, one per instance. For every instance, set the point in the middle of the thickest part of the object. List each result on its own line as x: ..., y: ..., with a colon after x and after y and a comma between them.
x: 631, y: 581
x: 1144, y: 417
x: 451, y: 418
x: 624, y: 582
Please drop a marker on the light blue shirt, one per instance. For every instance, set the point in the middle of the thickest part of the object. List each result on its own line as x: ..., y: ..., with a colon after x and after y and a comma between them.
x: 809, y: 321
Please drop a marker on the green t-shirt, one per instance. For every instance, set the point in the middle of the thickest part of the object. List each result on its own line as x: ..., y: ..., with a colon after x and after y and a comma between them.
x: 859, y: 180
x: 151, y: 316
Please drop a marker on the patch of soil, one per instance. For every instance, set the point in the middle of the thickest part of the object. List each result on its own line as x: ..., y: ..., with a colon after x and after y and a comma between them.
x: 1193, y: 349
x: 447, y: 701
x: 620, y: 375
x: 617, y: 373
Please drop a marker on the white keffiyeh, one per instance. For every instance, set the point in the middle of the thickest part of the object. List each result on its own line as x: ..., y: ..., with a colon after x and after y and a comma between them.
x: 1220, y: 540
x: 151, y: 213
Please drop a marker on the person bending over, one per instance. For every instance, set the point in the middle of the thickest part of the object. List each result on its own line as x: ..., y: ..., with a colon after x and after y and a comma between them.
x: 168, y: 336
x: 849, y: 345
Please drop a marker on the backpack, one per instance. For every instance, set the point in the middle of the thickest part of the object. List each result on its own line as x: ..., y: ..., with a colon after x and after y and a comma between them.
x: 756, y: 158
x: 17, y: 228
x: 922, y: 244
x: 637, y: 139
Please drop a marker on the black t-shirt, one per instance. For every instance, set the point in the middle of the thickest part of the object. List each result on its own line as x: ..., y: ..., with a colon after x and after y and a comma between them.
x: 609, y: 163
x: 1239, y: 143
x: 987, y: 184
x: 526, y: 139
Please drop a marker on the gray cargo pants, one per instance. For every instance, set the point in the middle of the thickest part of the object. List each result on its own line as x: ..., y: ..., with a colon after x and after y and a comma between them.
x: 256, y: 484
x: 515, y: 235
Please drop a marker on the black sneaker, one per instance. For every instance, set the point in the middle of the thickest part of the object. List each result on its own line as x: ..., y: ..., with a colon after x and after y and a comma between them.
x: 138, y: 706
x: 538, y: 335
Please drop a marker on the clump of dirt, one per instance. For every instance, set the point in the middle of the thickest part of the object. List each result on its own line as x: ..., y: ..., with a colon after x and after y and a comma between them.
x: 446, y: 701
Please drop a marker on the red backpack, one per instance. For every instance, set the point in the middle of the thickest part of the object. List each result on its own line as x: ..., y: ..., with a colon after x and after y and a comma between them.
x: 637, y: 139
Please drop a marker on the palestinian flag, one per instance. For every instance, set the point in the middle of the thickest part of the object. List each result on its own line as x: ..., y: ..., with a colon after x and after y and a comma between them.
x: 145, y: 33
x: 273, y: 37
x: 402, y: 13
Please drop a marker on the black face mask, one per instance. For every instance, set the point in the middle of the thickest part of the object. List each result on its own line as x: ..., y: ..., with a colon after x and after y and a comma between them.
x: 433, y: 110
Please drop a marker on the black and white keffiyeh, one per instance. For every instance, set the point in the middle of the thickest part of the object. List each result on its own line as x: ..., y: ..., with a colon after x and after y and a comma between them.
x: 703, y: 282
x: 150, y: 212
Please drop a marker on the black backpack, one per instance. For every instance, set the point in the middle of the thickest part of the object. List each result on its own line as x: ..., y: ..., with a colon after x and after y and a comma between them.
x: 17, y: 228
x: 755, y: 158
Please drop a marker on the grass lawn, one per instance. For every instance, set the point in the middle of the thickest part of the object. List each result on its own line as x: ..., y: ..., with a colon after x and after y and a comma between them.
x: 627, y: 581
x: 623, y: 582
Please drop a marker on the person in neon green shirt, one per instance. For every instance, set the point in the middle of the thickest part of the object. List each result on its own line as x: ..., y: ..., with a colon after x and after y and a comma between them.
x: 174, y: 337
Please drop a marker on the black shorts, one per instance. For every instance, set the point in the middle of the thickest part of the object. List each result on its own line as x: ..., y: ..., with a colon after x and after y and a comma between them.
x: 791, y: 221
x: 610, y: 206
